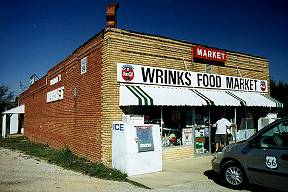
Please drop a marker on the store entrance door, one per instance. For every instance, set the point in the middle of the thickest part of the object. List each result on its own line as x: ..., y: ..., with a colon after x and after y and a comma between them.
x: 202, y: 140
x: 202, y: 132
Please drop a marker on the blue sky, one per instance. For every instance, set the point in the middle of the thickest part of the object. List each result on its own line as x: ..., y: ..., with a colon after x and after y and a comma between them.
x: 35, y: 35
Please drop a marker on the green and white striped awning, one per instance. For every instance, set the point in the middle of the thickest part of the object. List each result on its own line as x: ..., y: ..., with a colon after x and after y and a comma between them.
x: 217, y: 97
x: 135, y: 95
x: 255, y: 99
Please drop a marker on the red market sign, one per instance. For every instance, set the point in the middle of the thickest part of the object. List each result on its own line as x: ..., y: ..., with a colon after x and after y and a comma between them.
x: 208, y: 54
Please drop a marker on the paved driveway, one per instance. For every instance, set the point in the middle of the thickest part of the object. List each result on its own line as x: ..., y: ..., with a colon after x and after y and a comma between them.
x: 190, y: 174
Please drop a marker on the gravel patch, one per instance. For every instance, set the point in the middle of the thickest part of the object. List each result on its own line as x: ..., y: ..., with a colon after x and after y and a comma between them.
x: 20, y: 172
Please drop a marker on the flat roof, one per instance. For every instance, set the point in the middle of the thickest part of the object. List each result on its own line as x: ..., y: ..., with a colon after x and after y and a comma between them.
x: 129, y: 32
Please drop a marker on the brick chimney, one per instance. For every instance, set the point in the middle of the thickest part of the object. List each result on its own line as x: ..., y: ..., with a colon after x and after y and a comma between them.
x: 111, y: 14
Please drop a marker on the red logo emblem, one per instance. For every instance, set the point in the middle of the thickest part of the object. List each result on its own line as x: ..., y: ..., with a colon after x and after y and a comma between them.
x: 263, y: 86
x: 127, y: 72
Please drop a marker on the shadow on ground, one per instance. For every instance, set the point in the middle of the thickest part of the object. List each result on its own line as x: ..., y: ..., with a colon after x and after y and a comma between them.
x: 212, y: 175
x: 250, y: 187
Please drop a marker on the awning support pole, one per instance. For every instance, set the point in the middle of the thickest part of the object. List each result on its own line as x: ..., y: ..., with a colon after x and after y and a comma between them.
x: 235, y: 128
x: 193, y: 130
x: 193, y: 116
x: 209, y: 128
x: 162, y: 123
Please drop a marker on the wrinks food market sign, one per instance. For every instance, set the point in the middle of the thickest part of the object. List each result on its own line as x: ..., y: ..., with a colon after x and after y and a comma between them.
x: 130, y: 73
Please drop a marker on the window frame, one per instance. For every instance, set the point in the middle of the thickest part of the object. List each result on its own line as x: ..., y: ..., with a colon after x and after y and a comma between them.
x: 256, y: 141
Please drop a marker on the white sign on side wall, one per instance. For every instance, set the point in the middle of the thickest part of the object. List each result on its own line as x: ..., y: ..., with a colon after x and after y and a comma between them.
x: 55, y: 80
x: 55, y: 95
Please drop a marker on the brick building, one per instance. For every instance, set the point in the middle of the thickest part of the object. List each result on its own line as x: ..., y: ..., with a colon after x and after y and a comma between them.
x: 75, y: 103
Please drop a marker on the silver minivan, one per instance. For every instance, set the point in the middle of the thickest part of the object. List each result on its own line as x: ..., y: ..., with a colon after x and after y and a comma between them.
x: 262, y: 159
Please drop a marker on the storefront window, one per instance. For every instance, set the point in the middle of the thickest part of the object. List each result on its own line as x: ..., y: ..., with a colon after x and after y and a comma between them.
x: 176, y: 124
x: 152, y: 114
x: 172, y: 128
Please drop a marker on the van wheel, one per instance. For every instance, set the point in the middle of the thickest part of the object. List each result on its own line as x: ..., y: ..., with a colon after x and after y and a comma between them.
x: 234, y: 175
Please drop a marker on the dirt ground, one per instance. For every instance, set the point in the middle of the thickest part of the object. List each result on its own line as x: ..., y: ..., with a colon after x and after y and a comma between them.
x: 19, y: 172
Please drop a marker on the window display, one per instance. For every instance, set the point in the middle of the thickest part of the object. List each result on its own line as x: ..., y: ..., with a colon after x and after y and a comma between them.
x: 173, y: 125
x: 187, y: 136
x: 178, y: 125
x: 170, y: 137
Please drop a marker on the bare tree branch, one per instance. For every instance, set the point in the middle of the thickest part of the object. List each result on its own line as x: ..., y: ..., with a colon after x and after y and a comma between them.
x: 6, y: 98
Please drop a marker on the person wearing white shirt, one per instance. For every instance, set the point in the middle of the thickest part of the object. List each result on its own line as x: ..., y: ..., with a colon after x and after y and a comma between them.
x: 221, y: 132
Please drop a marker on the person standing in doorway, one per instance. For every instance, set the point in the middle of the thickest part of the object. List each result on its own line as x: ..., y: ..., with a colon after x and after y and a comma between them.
x: 221, y: 131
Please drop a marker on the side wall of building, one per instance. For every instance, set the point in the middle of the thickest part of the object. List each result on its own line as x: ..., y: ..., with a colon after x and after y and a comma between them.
x: 75, y: 121
x: 134, y: 48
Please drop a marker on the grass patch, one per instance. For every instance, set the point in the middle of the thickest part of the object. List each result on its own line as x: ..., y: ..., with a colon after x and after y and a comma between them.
x: 64, y: 158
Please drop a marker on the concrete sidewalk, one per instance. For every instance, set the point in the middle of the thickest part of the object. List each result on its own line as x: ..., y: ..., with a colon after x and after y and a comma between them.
x: 177, y: 173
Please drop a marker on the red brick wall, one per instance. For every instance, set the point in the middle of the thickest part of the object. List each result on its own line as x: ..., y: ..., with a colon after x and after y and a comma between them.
x: 34, y: 96
x: 73, y: 122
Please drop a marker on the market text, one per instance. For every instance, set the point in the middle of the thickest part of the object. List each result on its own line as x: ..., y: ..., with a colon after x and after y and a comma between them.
x: 241, y: 84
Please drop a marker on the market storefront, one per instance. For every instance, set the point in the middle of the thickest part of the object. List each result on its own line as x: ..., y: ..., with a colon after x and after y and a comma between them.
x: 185, y: 104
x: 179, y: 87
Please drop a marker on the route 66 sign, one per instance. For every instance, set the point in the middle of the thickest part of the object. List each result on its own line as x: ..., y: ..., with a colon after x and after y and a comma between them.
x: 271, y: 162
